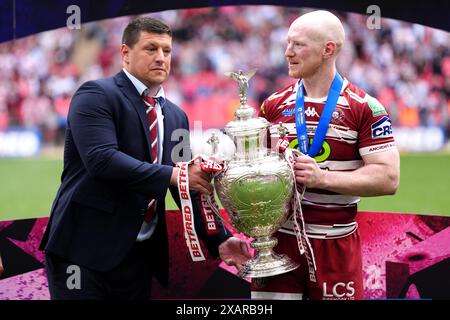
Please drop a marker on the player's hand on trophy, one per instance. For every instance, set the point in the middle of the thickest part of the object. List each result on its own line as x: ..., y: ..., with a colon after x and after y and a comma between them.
x: 307, y: 172
x: 234, y: 252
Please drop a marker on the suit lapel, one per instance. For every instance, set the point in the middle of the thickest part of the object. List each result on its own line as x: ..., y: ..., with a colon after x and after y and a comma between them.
x: 129, y: 90
x: 168, y: 129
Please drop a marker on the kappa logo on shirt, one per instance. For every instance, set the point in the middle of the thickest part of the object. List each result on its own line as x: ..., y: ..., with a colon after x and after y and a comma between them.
x: 382, y: 128
x: 311, y: 112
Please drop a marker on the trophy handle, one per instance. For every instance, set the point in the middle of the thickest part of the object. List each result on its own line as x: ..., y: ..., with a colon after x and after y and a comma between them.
x: 217, y: 213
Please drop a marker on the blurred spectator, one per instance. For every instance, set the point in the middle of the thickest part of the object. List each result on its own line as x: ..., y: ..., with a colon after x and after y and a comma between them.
x: 406, y: 66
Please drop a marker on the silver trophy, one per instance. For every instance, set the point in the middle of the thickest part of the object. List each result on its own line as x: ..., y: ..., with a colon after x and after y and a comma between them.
x: 256, y: 187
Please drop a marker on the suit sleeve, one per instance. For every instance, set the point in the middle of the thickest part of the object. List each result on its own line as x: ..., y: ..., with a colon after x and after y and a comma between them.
x: 91, y: 121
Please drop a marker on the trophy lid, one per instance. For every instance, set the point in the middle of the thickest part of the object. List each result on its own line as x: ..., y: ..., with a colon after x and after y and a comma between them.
x: 246, y: 123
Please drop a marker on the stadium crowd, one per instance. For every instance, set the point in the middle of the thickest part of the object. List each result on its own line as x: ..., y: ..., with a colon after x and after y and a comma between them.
x: 406, y: 66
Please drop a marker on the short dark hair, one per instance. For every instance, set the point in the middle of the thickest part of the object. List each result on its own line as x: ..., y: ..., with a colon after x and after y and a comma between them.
x: 133, y: 30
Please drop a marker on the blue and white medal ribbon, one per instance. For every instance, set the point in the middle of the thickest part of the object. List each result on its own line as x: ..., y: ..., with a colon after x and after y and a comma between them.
x: 325, y: 118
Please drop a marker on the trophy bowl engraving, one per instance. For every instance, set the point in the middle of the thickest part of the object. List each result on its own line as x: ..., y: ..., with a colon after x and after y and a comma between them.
x: 255, y: 198
x: 255, y: 188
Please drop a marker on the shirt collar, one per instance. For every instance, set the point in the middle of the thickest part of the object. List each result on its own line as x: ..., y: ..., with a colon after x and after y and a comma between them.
x: 344, y: 85
x: 142, y: 88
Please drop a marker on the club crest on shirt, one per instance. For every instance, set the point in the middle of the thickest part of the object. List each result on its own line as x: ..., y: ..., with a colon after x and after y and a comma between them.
x: 337, y: 117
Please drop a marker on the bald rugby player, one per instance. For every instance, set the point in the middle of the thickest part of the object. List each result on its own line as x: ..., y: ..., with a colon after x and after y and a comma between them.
x: 351, y: 153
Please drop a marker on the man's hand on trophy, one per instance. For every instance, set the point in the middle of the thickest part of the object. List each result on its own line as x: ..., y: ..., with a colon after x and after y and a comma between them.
x: 199, y: 180
x: 308, y: 173
x: 234, y: 252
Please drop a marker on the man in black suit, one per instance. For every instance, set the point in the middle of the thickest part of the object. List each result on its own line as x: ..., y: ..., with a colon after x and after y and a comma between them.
x: 107, y: 234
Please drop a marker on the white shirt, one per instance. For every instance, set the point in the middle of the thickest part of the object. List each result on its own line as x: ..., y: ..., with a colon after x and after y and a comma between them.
x: 161, y: 99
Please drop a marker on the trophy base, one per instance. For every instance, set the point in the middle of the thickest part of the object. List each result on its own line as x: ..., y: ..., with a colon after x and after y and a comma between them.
x: 267, y: 265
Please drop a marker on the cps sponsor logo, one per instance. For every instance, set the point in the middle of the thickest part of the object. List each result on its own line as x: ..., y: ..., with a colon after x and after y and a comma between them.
x: 382, y: 128
x: 340, y: 290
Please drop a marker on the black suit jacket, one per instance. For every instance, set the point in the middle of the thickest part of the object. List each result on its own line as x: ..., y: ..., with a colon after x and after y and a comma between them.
x: 108, y: 179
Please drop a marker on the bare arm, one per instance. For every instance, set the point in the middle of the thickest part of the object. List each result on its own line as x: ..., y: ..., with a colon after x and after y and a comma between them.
x: 380, y: 175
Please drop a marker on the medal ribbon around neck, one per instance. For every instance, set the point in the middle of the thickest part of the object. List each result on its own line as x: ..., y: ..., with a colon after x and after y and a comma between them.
x: 325, y: 118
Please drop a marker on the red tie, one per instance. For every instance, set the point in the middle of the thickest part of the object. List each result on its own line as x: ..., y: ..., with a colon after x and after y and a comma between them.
x: 153, y: 128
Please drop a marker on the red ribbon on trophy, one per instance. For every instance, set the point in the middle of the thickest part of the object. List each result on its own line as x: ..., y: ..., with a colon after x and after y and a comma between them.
x: 208, y: 206
x: 212, y: 165
x: 187, y: 212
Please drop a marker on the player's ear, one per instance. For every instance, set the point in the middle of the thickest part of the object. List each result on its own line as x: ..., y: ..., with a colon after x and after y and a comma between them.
x: 330, y: 49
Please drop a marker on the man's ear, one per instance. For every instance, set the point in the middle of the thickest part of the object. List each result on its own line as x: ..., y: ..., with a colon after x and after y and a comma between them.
x: 330, y: 49
x: 124, y: 51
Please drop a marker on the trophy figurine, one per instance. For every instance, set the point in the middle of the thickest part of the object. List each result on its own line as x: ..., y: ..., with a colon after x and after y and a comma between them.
x: 255, y: 187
